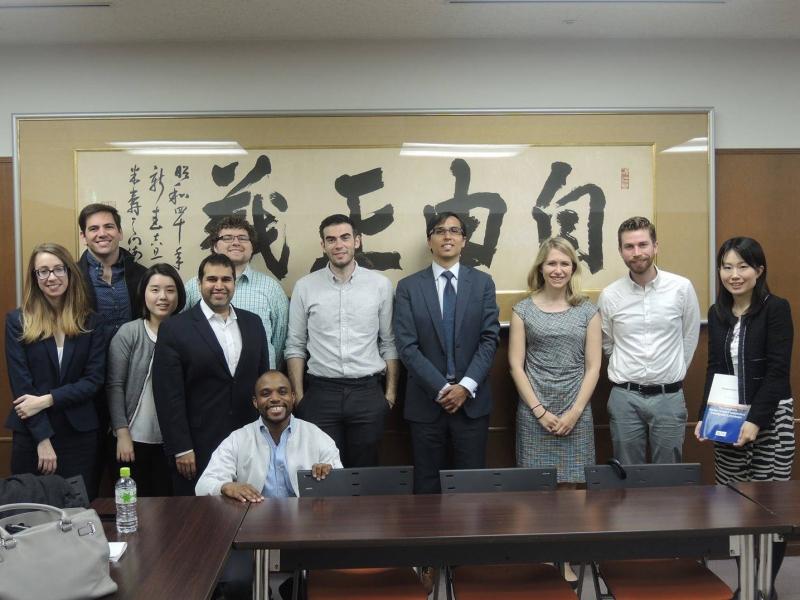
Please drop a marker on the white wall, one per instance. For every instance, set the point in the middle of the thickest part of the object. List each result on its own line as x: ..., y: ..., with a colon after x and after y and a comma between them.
x: 754, y: 86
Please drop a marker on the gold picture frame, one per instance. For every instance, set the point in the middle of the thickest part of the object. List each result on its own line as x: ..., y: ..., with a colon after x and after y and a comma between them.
x: 65, y: 161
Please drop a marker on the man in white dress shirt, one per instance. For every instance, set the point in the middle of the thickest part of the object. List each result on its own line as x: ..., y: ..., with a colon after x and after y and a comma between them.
x: 340, y: 320
x: 651, y: 323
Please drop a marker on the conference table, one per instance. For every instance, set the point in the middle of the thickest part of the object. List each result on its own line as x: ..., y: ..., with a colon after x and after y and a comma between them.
x: 179, y: 549
x: 496, y: 528
x: 781, y: 498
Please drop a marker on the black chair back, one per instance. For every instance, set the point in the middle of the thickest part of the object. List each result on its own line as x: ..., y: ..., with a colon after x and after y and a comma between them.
x: 617, y: 476
x: 497, y: 480
x: 366, y: 481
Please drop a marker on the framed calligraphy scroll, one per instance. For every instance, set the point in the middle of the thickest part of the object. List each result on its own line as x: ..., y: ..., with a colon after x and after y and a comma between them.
x: 517, y: 177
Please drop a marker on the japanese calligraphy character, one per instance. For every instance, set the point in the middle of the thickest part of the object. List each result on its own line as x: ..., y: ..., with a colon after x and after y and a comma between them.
x: 568, y: 219
x: 238, y: 199
x: 352, y: 187
x: 461, y: 204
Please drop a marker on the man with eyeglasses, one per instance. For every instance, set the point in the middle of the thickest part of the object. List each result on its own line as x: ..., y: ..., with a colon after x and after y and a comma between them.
x: 446, y: 325
x: 340, y: 319
x: 257, y: 292
x: 111, y: 272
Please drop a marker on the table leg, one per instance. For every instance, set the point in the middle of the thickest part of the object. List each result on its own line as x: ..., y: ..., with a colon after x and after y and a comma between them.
x: 765, y: 564
x: 261, y: 575
x: 747, y: 563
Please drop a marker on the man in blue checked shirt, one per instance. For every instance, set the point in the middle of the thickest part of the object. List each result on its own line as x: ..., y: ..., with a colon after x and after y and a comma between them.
x: 257, y: 292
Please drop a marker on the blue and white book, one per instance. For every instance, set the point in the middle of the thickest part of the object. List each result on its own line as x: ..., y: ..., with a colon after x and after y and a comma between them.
x: 724, y: 416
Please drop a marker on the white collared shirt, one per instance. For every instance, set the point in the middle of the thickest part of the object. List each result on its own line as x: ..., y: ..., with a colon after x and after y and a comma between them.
x: 649, y: 333
x: 227, y: 333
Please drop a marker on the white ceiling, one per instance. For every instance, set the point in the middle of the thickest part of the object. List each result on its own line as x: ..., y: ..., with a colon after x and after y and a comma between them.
x: 142, y: 21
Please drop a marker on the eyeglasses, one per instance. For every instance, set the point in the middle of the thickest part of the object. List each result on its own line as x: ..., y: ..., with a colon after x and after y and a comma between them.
x: 229, y: 238
x: 58, y: 271
x: 450, y: 230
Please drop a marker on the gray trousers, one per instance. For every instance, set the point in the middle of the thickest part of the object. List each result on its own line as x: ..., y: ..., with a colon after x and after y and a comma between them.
x: 636, y: 419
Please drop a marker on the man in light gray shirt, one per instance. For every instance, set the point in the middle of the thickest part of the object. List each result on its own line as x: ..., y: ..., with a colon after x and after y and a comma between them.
x: 651, y: 323
x: 340, y: 319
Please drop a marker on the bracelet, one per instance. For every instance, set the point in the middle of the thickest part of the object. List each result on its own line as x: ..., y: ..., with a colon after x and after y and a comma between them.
x: 533, y: 411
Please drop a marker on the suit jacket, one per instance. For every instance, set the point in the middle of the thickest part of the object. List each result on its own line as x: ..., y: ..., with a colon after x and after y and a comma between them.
x: 764, y: 356
x: 133, y: 274
x: 34, y: 369
x: 198, y: 402
x: 421, y: 344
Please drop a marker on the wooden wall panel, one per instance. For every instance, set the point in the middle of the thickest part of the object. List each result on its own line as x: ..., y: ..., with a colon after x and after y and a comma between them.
x: 8, y: 298
x: 758, y: 195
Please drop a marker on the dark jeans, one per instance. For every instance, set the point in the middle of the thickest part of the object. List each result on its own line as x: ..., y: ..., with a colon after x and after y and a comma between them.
x: 434, y: 443
x: 351, y: 411
x: 149, y: 470
x: 180, y: 485
x: 75, y: 455
x: 236, y: 581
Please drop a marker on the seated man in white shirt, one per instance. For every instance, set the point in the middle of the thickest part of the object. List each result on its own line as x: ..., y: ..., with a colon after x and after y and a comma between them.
x: 261, y: 460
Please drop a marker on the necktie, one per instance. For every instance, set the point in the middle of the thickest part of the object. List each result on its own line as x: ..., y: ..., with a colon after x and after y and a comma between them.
x: 449, y: 323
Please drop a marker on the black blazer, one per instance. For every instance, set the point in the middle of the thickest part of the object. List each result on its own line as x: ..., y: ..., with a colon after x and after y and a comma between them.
x: 765, y: 356
x: 420, y: 340
x: 34, y: 369
x: 133, y: 274
x: 197, y: 400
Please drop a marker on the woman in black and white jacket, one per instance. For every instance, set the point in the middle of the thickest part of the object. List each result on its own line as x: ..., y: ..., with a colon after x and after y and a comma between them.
x: 750, y: 336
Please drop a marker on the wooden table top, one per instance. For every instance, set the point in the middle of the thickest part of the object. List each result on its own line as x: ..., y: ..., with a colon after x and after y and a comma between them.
x: 381, y: 521
x: 781, y: 497
x: 180, y: 547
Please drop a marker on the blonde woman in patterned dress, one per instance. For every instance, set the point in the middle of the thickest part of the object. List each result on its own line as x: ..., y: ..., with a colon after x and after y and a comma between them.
x: 555, y: 353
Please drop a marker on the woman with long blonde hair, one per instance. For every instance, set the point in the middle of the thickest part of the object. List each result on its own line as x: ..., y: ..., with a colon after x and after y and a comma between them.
x: 554, y: 354
x: 56, y: 362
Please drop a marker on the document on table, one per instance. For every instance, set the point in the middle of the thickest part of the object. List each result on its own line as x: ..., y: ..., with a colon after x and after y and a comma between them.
x: 724, y: 416
x: 116, y: 550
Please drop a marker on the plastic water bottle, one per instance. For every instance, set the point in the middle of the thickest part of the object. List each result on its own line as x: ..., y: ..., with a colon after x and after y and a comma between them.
x: 125, y: 492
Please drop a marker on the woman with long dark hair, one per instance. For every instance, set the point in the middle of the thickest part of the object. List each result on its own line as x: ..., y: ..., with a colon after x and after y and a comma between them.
x: 129, y: 386
x: 750, y: 336
x: 56, y: 362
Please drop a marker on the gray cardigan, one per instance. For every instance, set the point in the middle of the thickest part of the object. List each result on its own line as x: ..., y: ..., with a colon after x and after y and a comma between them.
x: 128, y: 362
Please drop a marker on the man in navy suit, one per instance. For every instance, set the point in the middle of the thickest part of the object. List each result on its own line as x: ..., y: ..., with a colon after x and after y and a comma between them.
x: 446, y: 330
x: 205, y: 366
